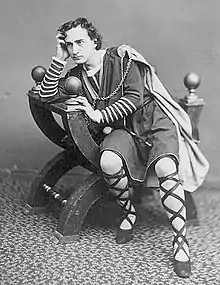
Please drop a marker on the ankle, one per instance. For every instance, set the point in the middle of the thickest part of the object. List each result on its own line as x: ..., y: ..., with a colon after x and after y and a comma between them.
x: 182, y: 254
x: 181, y: 257
x: 128, y: 222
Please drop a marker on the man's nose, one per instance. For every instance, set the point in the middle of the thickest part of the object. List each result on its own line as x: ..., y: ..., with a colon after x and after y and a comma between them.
x: 75, y: 48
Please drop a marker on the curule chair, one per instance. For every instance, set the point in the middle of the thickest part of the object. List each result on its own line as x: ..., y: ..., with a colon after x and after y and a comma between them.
x: 79, y: 149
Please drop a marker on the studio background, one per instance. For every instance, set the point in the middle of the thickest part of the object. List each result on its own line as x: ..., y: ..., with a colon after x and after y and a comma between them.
x: 176, y: 36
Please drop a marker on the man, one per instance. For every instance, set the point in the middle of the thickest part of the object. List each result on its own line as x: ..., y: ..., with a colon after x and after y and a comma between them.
x: 139, y: 127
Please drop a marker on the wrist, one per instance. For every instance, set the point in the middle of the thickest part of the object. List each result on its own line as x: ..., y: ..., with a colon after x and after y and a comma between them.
x: 60, y: 60
x: 98, y: 116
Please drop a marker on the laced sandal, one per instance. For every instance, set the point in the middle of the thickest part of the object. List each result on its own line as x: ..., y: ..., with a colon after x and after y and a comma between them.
x: 122, y: 235
x: 126, y: 235
x: 181, y: 268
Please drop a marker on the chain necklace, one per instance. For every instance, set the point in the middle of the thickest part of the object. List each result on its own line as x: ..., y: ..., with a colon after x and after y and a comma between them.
x: 113, y: 93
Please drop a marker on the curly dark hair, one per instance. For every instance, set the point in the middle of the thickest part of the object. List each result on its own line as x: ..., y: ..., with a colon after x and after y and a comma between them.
x: 85, y: 24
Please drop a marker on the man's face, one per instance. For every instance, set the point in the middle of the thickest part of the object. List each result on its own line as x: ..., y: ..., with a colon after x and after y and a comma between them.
x: 79, y: 45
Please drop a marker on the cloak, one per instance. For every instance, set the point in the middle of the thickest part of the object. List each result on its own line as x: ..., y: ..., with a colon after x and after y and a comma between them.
x: 193, y: 166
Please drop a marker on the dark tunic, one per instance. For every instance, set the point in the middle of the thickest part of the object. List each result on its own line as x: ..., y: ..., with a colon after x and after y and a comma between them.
x: 148, y: 122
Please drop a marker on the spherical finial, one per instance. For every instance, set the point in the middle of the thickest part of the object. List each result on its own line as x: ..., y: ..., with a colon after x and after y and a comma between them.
x: 192, y: 81
x: 38, y: 73
x: 73, y: 85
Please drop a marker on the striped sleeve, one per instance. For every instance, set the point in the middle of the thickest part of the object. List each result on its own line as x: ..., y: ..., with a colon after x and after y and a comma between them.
x: 49, y: 85
x: 122, y: 108
x: 132, y: 98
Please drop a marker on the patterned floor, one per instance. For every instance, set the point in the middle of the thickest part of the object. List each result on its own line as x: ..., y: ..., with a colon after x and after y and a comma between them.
x: 30, y: 255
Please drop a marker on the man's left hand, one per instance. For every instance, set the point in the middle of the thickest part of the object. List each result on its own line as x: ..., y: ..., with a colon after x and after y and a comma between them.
x: 84, y: 105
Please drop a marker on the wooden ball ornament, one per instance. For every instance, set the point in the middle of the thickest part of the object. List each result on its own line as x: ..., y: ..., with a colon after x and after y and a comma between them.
x: 192, y: 81
x: 38, y: 73
x: 73, y: 85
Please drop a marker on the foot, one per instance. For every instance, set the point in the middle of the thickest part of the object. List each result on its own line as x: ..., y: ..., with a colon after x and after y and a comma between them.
x: 125, y: 228
x: 182, y: 268
x: 124, y: 236
x: 182, y: 264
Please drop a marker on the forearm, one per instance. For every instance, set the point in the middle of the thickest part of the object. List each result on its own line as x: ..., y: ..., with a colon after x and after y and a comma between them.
x: 132, y: 99
x: 49, y: 85
x: 118, y: 110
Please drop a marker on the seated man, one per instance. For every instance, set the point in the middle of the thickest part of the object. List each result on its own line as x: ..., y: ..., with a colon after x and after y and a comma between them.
x: 139, y: 127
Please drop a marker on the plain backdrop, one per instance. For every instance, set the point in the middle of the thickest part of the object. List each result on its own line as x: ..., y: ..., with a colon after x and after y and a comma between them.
x: 176, y: 36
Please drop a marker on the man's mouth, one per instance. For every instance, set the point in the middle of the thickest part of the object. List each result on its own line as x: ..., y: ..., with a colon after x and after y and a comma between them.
x: 77, y: 57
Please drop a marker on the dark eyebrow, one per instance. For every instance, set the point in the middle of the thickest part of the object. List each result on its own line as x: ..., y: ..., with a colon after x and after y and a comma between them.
x: 77, y: 41
x: 69, y: 43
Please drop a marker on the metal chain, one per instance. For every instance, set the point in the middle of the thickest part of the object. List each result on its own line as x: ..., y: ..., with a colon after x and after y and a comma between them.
x: 79, y: 75
x: 120, y: 83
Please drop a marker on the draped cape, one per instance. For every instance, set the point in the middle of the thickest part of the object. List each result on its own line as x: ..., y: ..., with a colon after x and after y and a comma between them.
x: 193, y: 166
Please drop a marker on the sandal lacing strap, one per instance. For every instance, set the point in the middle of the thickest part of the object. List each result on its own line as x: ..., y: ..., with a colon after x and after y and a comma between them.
x: 124, y: 202
x: 169, y: 193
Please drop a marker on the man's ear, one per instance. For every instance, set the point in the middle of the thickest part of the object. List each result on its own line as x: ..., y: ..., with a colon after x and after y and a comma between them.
x: 95, y: 42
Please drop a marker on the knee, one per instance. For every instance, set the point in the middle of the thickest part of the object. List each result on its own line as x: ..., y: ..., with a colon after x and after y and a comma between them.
x: 110, y: 162
x: 165, y: 166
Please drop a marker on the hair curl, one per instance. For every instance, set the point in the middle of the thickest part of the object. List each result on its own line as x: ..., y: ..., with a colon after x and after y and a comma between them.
x: 83, y: 22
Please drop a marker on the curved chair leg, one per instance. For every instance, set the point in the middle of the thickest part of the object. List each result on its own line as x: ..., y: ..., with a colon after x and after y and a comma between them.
x: 49, y: 126
x: 77, y: 207
x: 38, y: 198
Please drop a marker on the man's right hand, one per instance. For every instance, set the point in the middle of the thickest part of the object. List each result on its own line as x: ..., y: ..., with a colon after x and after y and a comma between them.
x: 61, y: 50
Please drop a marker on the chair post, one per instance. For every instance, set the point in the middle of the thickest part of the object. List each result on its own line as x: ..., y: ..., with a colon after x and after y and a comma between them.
x: 192, y: 103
